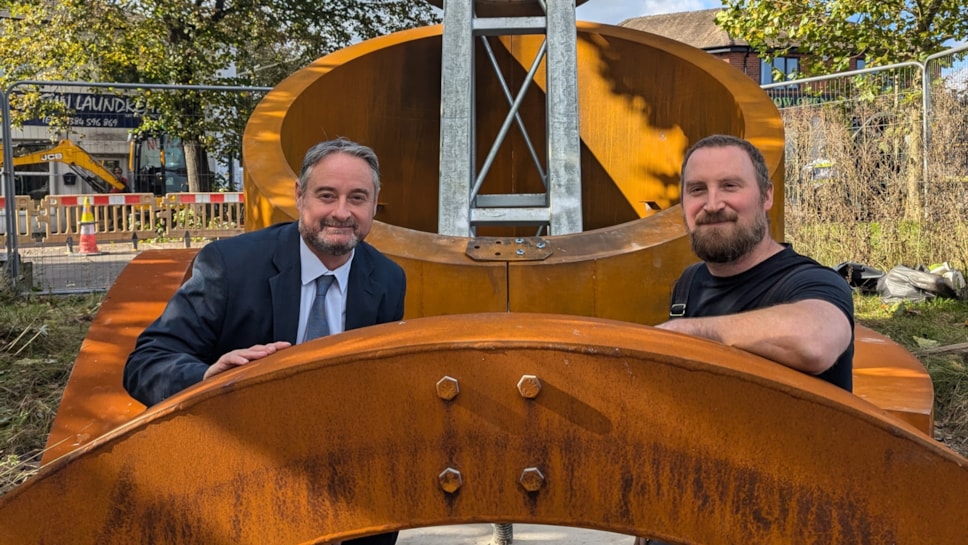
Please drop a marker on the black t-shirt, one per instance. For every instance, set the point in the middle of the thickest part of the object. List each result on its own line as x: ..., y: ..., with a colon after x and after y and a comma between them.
x: 785, y: 277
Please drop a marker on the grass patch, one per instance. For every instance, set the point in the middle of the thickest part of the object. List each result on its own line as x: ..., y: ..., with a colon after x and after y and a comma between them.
x: 921, y: 326
x: 40, y: 337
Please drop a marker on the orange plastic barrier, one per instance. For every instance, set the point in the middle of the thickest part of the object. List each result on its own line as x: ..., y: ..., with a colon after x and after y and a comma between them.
x: 25, y: 219
x: 117, y: 217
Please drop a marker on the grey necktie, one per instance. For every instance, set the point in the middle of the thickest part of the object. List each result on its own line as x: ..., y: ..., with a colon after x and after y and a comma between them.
x: 317, y: 326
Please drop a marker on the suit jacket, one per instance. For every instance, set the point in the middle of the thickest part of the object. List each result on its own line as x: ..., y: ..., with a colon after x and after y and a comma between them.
x: 244, y: 291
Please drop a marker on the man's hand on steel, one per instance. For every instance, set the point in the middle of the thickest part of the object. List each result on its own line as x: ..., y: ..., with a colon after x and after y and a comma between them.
x: 243, y: 356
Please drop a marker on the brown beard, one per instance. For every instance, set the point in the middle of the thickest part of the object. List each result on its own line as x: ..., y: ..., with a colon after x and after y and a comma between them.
x: 314, y: 238
x: 728, y: 243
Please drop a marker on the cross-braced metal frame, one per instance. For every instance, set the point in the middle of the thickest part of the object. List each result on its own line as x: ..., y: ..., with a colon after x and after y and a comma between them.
x: 462, y: 208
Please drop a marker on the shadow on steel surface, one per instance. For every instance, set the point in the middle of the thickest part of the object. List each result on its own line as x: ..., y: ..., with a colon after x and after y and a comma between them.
x: 632, y: 430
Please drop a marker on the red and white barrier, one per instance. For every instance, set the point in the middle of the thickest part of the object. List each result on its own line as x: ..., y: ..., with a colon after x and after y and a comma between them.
x: 206, y: 198
x: 123, y: 216
x: 98, y: 200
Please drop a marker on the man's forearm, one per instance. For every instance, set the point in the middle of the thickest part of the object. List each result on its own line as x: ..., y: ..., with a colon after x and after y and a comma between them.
x: 807, y: 336
x: 153, y: 376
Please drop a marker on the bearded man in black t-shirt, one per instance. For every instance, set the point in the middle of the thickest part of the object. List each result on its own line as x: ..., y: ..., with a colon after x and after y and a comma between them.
x: 752, y: 292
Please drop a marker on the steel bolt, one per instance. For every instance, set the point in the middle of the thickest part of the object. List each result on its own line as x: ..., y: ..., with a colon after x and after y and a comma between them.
x: 532, y: 479
x: 519, y: 251
x: 447, y: 388
x: 529, y: 386
x: 450, y: 480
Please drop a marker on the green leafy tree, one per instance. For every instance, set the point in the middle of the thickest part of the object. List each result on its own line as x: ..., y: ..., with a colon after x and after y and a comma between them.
x: 183, y: 42
x: 829, y: 32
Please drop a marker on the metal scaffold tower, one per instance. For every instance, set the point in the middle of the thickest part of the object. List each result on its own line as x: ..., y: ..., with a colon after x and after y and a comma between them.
x: 462, y: 208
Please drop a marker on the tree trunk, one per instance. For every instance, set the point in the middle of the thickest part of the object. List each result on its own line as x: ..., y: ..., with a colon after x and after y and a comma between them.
x: 916, y: 184
x: 914, y: 152
x: 196, y: 162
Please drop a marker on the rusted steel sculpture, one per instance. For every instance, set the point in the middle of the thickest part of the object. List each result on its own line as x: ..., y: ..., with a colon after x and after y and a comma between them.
x: 515, y: 417
x: 525, y: 384
x: 642, y: 99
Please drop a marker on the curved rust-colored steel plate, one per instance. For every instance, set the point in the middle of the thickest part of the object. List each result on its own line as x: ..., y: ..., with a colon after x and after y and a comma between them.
x: 634, y: 430
x: 94, y: 401
x: 635, y: 125
x: 889, y: 376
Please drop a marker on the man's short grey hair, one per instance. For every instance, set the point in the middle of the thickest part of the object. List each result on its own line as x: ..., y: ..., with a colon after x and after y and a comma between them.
x: 727, y: 140
x: 323, y: 150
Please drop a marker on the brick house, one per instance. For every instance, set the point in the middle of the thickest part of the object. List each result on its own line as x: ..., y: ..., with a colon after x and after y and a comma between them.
x: 699, y: 29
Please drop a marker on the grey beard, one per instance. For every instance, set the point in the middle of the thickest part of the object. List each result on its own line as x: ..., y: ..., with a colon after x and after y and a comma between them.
x: 314, y: 241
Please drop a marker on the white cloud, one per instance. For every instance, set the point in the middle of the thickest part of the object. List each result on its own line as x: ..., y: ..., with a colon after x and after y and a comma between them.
x: 615, y: 11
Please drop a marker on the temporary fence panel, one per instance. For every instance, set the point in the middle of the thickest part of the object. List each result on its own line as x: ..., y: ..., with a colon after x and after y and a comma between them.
x: 863, y: 125
x: 116, y: 217
x: 205, y: 215
x: 946, y: 124
x: 93, y: 137
x: 876, y: 162
x: 24, y: 219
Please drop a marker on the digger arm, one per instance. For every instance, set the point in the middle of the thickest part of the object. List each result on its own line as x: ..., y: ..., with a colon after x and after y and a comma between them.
x: 69, y: 153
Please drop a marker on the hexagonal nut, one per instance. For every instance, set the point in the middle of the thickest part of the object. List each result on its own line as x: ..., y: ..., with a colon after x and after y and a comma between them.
x: 529, y: 386
x: 532, y: 479
x: 450, y: 480
x: 447, y: 388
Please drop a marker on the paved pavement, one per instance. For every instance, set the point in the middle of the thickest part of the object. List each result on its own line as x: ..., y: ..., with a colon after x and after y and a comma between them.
x: 54, y: 269
x: 480, y: 534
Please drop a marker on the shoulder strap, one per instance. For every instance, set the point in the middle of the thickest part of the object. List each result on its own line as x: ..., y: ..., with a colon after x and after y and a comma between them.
x: 680, y: 292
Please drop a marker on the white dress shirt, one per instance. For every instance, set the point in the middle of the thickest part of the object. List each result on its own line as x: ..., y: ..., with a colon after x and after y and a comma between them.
x: 312, y: 268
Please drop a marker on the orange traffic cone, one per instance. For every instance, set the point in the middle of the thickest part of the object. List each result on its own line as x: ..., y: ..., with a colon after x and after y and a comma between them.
x: 88, y: 233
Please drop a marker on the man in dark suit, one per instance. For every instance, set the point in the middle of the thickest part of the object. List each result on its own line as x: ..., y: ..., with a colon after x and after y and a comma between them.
x: 255, y: 294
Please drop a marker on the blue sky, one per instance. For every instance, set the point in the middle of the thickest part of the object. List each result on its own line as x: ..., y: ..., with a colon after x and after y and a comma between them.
x: 615, y: 11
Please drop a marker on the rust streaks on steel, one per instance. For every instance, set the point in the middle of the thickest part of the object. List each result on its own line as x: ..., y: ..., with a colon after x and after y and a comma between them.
x: 636, y: 430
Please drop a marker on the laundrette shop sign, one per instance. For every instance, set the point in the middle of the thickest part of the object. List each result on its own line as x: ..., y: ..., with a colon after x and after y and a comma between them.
x: 94, y: 110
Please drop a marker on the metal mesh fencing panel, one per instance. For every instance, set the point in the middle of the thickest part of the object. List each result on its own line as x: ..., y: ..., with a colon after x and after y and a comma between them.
x: 75, y: 140
x: 947, y: 125
x: 860, y: 183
